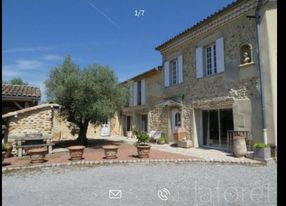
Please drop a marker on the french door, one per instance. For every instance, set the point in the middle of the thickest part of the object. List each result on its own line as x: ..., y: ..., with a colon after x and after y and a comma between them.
x: 216, y: 123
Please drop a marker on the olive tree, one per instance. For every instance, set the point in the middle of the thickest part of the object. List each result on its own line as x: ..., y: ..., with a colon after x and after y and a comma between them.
x: 89, y: 95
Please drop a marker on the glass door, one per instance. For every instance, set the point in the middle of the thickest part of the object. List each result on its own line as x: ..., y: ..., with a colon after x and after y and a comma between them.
x: 216, y: 123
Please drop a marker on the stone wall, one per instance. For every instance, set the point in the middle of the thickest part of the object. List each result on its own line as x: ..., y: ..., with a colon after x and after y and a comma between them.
x: 31, y: 122
x: 51, y: 123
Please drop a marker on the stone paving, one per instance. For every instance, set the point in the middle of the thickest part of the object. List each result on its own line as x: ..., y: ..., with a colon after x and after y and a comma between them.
x: 207, y: 154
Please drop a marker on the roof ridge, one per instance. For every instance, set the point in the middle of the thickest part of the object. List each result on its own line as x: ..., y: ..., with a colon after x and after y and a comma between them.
x: 21, y: 111
x: 201, y: 22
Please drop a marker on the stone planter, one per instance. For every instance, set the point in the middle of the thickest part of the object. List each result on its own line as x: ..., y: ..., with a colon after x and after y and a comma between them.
x: 110, y: 151
x: 239, y: 146
x: 37, y: 155
x: 143, y: 151
x: 9, y: 150
x: 3, y: 156
x: 129, y: 134
x: 76, y: 152
x: 262, y: 153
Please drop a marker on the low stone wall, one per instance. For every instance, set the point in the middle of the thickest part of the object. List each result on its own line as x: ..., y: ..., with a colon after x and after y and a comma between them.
x: 31, y: 122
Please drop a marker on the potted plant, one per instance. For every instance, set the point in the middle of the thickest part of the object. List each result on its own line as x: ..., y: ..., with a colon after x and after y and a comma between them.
x: 262, y: 151
x: 110, y: 151
x: 143, y: 148
x: 76, y: 152
x: 4, y: 149
x: 162, y: 140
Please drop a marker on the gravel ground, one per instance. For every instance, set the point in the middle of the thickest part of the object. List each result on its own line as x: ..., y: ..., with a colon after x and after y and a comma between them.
x: 188, y: 184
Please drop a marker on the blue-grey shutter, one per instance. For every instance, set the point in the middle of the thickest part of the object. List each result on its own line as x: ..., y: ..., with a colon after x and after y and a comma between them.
x: 131, y: 95
x: 199, y: 62
x: 143, y: 91
x: 166, y: 74
x: 220, y: 55
x: 180, y: 68
x: 135, y: 93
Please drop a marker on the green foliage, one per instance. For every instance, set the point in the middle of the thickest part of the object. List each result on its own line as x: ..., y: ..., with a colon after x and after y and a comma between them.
x: 142, y: 137
x: 261, y: 145
x: 88, y: 95
x: 4, y: 147
x: 162, y: 140
x: 16, y: 81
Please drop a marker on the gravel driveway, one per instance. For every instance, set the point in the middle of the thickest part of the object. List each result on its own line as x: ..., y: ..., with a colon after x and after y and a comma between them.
x: 142, y: 184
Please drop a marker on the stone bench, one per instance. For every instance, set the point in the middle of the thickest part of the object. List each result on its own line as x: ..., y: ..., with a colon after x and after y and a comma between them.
x: 33, y: 141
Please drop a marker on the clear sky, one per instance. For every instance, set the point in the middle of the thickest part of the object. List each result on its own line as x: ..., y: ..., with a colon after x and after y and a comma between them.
x: 37, y: 34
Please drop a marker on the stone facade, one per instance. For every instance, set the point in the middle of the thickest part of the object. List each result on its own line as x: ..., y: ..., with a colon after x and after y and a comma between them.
x: 236, y: 88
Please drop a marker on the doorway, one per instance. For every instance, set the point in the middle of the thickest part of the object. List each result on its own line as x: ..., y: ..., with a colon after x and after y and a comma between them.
x: 216, y: 123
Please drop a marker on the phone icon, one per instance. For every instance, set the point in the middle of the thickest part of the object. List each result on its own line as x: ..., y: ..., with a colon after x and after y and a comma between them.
x: 163, y: 194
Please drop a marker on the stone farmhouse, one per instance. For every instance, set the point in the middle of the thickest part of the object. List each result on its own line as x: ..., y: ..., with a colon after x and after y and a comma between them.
x: 211, y: 79
x: 217, y: 77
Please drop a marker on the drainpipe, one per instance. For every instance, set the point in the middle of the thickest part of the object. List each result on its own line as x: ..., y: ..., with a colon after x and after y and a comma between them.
x: 261, y: 76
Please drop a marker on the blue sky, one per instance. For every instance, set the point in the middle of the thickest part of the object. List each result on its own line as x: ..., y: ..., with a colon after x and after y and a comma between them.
x: 37, y: 34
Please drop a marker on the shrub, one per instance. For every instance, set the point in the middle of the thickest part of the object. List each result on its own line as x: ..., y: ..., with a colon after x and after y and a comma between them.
x: 260, y: 145
x: 142, y: 137
x: 162, y: 140
x: 4, y: 147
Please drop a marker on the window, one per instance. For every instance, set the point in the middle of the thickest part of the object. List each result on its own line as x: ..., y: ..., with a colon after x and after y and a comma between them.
x: 174, y: 78
x: 211, y: 62
x: 178, y: 119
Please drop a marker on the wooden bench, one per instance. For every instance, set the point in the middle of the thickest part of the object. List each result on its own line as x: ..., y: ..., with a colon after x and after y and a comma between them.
x: 33, y: 141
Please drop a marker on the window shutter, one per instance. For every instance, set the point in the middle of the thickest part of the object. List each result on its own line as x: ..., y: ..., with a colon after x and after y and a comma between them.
x: 131, y: 95
x: 199, y: 62
x: 135, y: 93
x: 180, y: 68
x: 143, y: 92
x: 220, y: 55
x: 166, y: 74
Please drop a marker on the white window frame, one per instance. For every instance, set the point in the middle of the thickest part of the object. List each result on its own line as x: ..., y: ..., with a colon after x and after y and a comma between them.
x: 174, y: 75
x: 210, y: 60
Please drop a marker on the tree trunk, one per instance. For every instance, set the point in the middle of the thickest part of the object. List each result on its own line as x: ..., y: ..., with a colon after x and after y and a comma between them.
x: 82, y: 139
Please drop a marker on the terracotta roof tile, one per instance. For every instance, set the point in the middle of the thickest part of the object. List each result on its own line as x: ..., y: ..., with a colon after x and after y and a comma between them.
x: 20, y: 90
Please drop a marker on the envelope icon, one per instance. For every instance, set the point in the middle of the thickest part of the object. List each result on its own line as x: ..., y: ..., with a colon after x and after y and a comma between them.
x: 115, y: 194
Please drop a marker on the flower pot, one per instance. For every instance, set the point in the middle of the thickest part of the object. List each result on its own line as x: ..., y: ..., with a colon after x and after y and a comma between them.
x: 262, y: 153
x: 76, y: 152
x: 143, y: 151
x: 3, y: 156
x: 110, y: 151
x: 129, y: 134
x: 9, y: 150
x: 37, y: 155
x: 239, y: 146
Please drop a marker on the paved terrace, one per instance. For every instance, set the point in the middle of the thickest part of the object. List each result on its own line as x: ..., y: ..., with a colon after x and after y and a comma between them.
x: 206, y: 154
